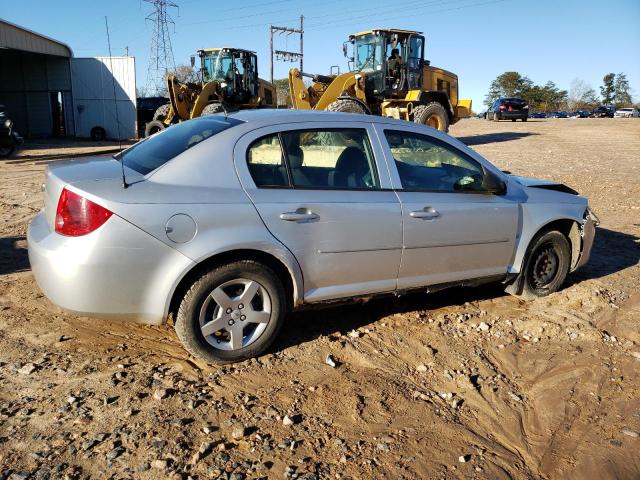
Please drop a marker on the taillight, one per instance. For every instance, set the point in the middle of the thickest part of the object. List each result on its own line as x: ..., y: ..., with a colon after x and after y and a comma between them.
x: 77, y: 216
x: 502, y: 107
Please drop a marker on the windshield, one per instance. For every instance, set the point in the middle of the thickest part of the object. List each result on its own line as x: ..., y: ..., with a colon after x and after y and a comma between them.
x: 155, y: 151
x: 218, y: 65
x: 369, y: 53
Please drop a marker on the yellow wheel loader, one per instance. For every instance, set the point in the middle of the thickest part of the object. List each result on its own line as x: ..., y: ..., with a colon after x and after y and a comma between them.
x: 390, y: 77
x: 228, y: 81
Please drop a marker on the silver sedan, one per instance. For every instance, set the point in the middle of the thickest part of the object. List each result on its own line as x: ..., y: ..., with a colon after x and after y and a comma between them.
x: 229, y: 222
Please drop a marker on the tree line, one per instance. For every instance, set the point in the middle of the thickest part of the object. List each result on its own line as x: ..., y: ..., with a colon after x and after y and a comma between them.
x: 615, y: 90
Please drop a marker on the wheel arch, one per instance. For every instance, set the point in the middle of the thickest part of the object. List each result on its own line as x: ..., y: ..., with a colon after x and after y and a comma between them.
x: 290, y: 276
x: 569, y: 227
x: 439, y: 97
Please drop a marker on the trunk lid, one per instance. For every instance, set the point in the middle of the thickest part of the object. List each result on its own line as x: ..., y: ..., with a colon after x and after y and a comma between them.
x: 514, y: 104
x: 92, y: 169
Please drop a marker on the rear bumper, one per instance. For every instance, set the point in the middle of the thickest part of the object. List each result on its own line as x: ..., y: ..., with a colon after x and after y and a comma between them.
x: 116, y: 272
x: 507, y: 115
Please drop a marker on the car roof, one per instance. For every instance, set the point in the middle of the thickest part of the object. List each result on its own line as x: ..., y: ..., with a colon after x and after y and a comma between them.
x: 272, y: 115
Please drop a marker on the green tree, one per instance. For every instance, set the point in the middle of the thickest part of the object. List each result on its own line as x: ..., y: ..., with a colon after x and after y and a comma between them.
x: 608, y: 89
x: 621, y: 96
x: 509, y: 84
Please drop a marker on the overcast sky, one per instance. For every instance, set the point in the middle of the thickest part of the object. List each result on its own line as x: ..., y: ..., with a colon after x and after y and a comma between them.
x: 555, y: 40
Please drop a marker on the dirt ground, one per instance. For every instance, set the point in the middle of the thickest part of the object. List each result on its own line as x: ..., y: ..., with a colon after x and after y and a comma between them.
x: 467, y: 383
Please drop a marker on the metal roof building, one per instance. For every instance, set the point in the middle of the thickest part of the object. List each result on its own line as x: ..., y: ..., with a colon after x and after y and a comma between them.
x: 40, y: 77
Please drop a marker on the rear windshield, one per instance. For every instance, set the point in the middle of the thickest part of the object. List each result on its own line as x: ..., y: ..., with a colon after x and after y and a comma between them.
x: 155, y: 151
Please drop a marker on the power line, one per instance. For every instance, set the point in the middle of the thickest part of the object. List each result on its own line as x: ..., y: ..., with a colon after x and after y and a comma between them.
x: 161, y: 59
x: 285, y: 55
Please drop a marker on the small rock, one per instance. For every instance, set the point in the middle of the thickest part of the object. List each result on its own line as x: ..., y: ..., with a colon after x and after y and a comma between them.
x: 161, y: 394
x: 354, y: 334
x: 27, y: 369
x: 636, y: 355
x: 115, y: 453
x: 383, y: 447
x: 422, y: 368
x: 208, y: 429
x: 484, y: 327
x: 287, y: 421
x: 630, y: 433
x: 464, y: 458
x: 160, y: 464
x: 330, y: 361
x: 239, y: 432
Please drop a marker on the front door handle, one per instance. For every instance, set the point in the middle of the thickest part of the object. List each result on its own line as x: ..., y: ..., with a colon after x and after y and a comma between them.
x: 428, y: 213
x: 298, y: 216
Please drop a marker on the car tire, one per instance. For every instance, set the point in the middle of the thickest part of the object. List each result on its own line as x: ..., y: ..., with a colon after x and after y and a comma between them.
x: 153, y: 127
x: 524, y: 119
x: 547, y: 264
x: 513, y: 119
x: 98, y: 134
x: 228, y: 283
x: 433, y: 115
x: 5, y: 152
x: 496, y: 118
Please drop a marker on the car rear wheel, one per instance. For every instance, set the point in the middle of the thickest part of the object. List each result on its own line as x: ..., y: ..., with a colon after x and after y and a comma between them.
x: 5, y: 152
x: 547, y: 264
x: 231, y: 313
x: 496, y: 118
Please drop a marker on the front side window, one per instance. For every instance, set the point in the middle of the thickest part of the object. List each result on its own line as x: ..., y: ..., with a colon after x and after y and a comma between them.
x: 340, y: 159
x: 369, y: 53
x: 427, y: 164
x: 218, y: 65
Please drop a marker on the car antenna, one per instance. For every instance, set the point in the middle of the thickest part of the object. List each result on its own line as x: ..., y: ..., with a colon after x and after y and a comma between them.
x: 115, y: 104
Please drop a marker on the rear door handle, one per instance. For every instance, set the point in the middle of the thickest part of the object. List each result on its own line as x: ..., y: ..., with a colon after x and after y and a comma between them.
x: 298, y: 216
x: 428, y: 213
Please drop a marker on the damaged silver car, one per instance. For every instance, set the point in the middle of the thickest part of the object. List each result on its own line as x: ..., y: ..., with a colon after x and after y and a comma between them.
x: 229, y: 222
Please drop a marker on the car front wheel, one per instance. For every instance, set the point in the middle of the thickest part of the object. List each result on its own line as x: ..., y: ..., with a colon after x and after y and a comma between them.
x: 547, y: 264
x: 232, y: 312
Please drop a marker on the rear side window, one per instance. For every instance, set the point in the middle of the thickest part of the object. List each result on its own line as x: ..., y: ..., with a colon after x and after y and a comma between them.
x: 265, y: 159
x: 340, y: 159
x: 155, y: 151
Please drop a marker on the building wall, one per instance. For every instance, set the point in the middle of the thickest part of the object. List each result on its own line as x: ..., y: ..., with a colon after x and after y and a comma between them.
x: 94, y: 80
x: 28, y: 79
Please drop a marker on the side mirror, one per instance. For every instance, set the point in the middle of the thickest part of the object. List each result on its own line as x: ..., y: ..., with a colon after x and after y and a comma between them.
x: 344, y: 49
x: 193, y: 61
x: 491, y: 183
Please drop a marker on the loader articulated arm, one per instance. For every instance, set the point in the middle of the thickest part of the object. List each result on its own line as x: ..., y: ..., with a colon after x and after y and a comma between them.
x: 325, y: 89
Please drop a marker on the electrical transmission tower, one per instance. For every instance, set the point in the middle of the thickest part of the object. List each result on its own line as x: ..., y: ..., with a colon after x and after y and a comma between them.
x: 161, y: 58
x: 283, y: 54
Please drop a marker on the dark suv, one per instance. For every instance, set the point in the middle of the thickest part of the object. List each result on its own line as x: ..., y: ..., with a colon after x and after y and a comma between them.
x: 508, y: 109
x: 604, y: 112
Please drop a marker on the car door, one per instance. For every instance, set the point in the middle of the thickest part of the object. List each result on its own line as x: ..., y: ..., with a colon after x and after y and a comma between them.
x: 322, y: 192
x: 453, y: 228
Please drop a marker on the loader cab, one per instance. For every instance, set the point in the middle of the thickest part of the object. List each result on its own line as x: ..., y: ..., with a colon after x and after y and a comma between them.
x: 236, y: 70
x: 392, y: 61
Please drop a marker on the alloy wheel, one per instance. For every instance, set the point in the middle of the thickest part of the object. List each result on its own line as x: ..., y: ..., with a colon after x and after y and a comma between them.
x: 235, y: 314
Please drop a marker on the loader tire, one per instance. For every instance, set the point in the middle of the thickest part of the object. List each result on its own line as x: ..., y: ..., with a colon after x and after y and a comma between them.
x: 433, y: 115
x: 347, y: 106
x: 153, y: 127
x: 212, y: 108
x: 161, y: 112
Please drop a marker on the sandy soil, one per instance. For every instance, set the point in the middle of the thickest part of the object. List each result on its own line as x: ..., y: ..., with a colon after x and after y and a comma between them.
x: 468, y: 383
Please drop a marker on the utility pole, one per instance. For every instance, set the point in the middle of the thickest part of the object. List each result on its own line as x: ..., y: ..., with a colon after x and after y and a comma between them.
x: 284, y: 55
x: 161, y: 59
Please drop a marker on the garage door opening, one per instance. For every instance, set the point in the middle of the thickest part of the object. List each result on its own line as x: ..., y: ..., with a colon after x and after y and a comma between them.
x: 57, y: 113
